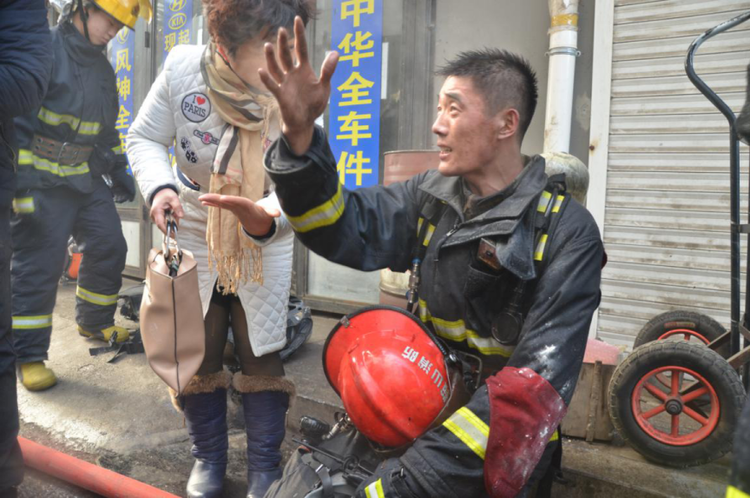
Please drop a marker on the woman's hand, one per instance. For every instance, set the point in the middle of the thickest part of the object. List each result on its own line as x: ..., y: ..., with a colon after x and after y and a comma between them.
x: 256, y: 220
x: 301, y: 95
x: 166, y: 200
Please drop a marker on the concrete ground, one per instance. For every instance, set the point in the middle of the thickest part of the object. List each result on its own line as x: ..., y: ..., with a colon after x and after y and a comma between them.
x: 119, y: 416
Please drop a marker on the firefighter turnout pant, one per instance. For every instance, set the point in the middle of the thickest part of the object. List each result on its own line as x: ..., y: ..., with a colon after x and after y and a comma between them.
x: 11, y: 460
x: 40, y: 242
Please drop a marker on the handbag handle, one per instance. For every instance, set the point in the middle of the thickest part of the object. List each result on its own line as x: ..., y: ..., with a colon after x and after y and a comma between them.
x: 173, y: 260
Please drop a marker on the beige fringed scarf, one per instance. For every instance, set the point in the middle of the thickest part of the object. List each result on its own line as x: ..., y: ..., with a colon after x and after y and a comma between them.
x: 237, y: 168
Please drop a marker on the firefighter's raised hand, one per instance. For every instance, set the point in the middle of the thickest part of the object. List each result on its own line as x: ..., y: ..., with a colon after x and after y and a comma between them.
x: 165, y: 200
x: 301, y: 95
x: 256, y: 219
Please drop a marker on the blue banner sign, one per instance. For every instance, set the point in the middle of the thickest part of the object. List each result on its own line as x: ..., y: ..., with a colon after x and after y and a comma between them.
x: 122, y: 55
x: 354, y: 118
x: 178, y: 18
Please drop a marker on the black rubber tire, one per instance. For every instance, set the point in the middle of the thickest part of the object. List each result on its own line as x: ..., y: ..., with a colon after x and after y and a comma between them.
x: 715, y: 369
x: 702, y: 324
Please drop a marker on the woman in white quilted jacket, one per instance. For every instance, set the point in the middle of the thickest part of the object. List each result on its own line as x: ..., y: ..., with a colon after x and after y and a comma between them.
x: 208, y: 103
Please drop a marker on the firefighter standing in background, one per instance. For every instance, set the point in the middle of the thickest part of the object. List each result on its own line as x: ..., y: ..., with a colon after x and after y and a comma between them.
x: 67, y: 147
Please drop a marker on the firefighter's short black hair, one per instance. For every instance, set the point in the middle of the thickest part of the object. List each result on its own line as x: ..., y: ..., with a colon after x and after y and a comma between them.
x: 505, y: 80
x: 233, y: 22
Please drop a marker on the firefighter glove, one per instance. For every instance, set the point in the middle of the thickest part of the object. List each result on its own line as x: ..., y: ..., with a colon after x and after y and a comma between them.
x: 123, y: 186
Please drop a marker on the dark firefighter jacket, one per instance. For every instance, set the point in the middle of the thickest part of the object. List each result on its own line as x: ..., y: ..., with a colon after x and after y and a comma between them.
x: 80, y: 107
x: 523, y: 403
x: 25, y: 63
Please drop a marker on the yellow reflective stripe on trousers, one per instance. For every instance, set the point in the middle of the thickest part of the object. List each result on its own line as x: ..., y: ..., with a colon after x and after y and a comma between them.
x: 23, y: 205
x: 456, y: 331
x: 117, y: 150
x: 32, y: 322
x: 733, y: 492
x: 470, y: 429
x: 27, y: 157
x: 54, y: 119
x: 375, y: 490
x: 324, y: 215
x: 94, y: 298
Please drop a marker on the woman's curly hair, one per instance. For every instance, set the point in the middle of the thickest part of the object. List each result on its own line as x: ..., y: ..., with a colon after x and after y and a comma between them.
x: 233, y: 22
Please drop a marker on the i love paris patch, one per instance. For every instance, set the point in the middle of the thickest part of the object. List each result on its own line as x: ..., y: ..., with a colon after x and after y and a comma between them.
x: 196, y: 107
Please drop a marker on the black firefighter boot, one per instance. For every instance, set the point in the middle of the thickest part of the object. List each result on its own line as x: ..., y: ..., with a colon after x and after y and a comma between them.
x: 743, y: 120
x: 265, y: 401
x: 205, y: 407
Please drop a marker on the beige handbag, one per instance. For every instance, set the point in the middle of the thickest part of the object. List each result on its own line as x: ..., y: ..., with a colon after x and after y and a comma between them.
x: 172, y: 329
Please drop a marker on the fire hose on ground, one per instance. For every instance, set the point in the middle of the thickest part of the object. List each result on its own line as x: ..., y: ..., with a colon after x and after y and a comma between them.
x: 85, y: 475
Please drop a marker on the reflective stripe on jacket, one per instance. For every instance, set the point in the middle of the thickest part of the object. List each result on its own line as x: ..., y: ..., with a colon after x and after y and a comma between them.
x: 80, y: 108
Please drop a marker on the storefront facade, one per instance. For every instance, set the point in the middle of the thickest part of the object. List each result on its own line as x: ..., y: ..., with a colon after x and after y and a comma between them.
x: 660, y: 159
x: 414, y: 38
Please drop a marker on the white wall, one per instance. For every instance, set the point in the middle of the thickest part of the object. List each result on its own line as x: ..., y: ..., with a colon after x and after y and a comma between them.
x: 521, y: 27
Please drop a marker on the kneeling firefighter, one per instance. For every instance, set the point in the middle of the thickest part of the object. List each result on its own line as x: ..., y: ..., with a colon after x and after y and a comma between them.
x: 66, y: 149
x: 510, y: 264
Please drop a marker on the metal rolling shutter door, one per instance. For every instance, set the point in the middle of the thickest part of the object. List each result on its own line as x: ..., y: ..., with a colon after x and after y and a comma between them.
x: 667, y: 201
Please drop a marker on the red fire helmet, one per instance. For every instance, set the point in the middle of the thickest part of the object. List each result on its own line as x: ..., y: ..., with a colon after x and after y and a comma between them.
x: 389, y: 372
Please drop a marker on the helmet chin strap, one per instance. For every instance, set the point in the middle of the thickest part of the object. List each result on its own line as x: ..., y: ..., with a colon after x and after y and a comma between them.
x: 84, y: 20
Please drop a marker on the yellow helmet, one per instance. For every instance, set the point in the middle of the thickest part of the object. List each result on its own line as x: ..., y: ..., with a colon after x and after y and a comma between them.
x: 126, y: 11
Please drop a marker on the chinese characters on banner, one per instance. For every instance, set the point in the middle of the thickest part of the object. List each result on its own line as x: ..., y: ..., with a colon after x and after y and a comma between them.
x: 122, y: 53
x: 354, y: 124
x: 178, y: 15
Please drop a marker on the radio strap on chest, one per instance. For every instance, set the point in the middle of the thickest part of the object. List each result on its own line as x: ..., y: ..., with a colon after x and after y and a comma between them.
x: 431, y: 211
x: 508, y: 324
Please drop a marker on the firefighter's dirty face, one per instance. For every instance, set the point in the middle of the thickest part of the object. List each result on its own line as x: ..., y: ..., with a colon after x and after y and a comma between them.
x: 466, y: 134
x: 102, y: 27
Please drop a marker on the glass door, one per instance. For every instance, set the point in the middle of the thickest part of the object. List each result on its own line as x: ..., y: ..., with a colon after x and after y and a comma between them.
x: 138, y: 57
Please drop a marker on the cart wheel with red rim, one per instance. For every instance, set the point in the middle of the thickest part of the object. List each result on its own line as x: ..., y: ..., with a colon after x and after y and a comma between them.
x: 682, y: 325
x: 676, y: 403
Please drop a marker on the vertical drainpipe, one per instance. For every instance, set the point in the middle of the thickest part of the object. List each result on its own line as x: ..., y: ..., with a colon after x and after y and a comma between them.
x: 563, y: 50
